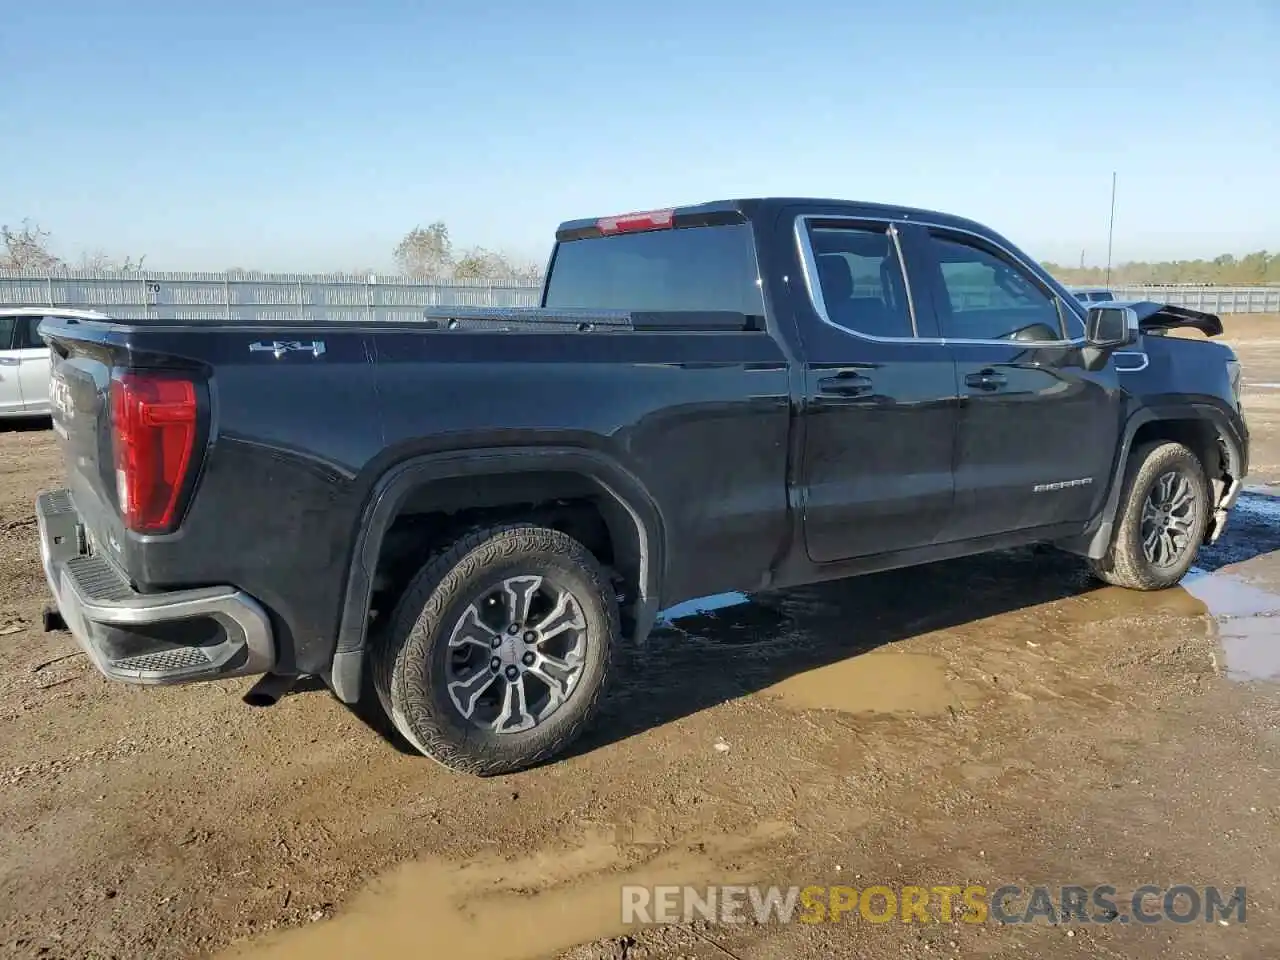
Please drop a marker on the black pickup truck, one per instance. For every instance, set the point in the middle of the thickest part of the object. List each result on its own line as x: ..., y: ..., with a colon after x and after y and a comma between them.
x: 472, y: 511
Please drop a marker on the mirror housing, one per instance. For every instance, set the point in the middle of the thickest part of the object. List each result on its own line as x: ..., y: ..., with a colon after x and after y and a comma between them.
x: 1110, y: 327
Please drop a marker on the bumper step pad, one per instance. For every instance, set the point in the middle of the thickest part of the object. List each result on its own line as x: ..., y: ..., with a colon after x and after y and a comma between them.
x: 105, y: 613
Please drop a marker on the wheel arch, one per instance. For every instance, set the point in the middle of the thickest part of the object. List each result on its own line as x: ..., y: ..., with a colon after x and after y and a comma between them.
x: 631, y: 515
x: 1209, y: 431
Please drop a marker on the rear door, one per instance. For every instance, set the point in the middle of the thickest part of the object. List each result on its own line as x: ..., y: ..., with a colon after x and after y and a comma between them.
x: 880, y: 420
x: 1037, y: 432
x: 33, y: 364
x: 10, y: 367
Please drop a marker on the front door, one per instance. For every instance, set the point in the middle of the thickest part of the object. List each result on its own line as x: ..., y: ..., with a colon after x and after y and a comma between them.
x: 33, y: 368
x: 880, y: 417
x: 10, y: 370
x: 1037, y: 432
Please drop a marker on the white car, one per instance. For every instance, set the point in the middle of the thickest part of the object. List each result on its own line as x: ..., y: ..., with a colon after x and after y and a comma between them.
x: 24, y: 358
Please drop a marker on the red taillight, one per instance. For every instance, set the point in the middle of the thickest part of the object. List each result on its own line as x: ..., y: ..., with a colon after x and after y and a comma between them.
x: 636, y: 222
x: 154, y: 423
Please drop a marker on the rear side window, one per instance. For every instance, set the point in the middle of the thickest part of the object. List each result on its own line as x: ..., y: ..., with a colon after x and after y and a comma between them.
x: 688, y: 269
x: 863, y: 288
x: 6, y: 332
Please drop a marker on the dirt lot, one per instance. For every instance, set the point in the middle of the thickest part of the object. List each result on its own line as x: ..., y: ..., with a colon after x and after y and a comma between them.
x: 993, y: 720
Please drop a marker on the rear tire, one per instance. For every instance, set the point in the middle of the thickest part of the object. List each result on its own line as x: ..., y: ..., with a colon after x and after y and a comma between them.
x: 1164, y: 512
x: 497, y: 655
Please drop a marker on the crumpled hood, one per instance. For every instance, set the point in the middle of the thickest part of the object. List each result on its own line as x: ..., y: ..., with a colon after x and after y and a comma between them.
x: 1154, y: 317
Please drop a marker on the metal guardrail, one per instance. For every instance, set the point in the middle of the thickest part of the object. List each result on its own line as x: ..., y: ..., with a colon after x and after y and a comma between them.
x: 276, y: 298
x: 1209, y: 299
x: 266, y: 298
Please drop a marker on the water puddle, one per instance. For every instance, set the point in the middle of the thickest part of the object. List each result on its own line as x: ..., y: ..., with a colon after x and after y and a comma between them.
x: 894, y: 683
x: 1252, y: 648
x: 692, y: 608
x: 1229, y: 596
x: 1248, y: 623
x: 495, y: 909
x: 1257, y: 501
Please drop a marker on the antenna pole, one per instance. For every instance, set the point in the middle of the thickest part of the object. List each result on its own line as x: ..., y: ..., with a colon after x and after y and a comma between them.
x: 1111, y: 225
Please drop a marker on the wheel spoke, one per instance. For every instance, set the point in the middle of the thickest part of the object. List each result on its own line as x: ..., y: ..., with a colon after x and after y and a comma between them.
x: 1182, y: 497
x: 515, y: 714
x: 565, y: 615
x: 467, y: 691
x: 520, y: 592
x: 564, y: 669
x: 470, y: 630
x: 558, y: 675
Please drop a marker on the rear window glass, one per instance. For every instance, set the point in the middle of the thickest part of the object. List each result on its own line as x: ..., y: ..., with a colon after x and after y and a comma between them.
x: 693, y: 269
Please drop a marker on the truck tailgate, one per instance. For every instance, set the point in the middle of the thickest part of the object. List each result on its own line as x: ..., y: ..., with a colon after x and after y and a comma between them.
x: 79, y: 395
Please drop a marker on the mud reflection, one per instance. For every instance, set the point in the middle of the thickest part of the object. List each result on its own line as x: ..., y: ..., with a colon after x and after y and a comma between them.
x: 1248, y: 619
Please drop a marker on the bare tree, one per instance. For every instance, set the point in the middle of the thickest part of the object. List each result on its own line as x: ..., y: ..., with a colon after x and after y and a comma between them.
x: 426, y: 253
x: 26, y: 248
x: 103, y: 263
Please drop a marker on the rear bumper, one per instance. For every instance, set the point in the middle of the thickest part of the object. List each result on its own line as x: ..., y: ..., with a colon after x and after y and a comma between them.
x: 180, y: 636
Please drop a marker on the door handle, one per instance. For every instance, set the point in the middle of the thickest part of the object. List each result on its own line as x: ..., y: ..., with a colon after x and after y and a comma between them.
x: 10, y: 361
x: 845, y: 385
x: 986, y: 380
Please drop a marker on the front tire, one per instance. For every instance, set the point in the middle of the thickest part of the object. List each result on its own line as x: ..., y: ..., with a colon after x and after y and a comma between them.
x: 497, y: 654
x: 1164, y: 512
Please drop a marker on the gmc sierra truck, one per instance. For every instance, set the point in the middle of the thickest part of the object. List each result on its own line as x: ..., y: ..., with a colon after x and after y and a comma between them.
x: 471, y: 512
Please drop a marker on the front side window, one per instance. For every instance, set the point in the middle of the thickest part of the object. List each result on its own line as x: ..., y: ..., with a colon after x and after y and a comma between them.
x: 25, y: 336
x: 6, y: 332
x: 985, y: 297
x: 861, y: 279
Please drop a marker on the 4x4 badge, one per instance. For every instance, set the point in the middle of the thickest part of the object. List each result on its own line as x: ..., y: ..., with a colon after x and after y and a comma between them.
x: 281, y: 347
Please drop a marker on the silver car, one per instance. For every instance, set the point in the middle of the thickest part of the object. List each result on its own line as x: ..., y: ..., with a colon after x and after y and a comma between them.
x: 24, y: 358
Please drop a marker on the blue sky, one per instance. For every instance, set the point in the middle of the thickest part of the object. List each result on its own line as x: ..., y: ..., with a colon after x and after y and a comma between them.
x: 311, y: 136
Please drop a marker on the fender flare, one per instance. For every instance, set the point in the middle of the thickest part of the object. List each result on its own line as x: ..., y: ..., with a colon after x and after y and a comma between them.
x: 1095, y: 541
x: 399, y: 480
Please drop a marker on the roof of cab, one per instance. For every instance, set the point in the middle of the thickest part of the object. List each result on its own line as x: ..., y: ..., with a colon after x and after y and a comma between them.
x: 763, y: 208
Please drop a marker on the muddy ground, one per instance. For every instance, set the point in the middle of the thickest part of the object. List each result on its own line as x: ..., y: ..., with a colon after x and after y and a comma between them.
x: 990, y: 720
